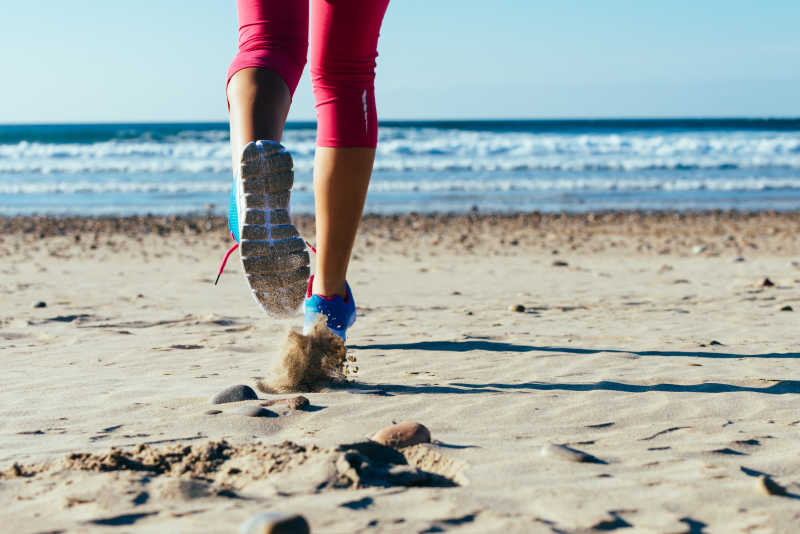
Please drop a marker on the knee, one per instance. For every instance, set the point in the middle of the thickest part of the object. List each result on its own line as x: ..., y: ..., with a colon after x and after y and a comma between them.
x: 350, y: 73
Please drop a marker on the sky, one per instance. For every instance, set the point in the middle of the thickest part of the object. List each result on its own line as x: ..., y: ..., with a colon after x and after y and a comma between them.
x: 162, y: 61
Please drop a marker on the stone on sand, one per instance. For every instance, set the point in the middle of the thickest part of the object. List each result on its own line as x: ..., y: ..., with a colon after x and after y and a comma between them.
x: 402, y: 434
x: 297, y: 403
x: 787, y: 308
x: 39, y: 304
x: 569, y: 454
x: 517, y: 308
x: 254, y: 411
x: 234, y: 394
x: 275, y: 523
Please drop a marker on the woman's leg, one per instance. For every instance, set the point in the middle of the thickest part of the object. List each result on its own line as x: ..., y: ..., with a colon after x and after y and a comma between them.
x: 343, y: 48
x: 273, y: 42
x: 259, y: 102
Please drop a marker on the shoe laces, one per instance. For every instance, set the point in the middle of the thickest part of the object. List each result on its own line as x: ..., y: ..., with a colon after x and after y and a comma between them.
x: 236, y: 245
x: 225, y: 259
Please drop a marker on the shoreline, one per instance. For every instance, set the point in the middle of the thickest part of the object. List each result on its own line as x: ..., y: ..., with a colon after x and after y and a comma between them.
x: 212, y: 221
x: 654, y: 233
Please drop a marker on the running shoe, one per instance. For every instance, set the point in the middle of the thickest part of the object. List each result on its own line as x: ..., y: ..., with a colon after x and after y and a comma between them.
x: 340, y: 312
x: 274, y: 258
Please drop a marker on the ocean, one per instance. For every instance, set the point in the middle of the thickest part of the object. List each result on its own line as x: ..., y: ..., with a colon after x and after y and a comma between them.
x: 421, y: 166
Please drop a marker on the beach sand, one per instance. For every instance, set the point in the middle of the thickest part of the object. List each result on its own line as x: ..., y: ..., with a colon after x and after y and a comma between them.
x: 649, y: 382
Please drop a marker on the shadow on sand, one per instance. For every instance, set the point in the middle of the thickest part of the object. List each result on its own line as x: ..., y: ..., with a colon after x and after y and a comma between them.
x: 495, y: 346
x: 780, y: 387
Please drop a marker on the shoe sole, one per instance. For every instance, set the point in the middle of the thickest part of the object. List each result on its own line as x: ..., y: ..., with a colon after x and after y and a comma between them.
x: 274, y: 257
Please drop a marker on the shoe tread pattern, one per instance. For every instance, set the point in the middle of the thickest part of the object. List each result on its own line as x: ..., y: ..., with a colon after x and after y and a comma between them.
x: 274, y: 258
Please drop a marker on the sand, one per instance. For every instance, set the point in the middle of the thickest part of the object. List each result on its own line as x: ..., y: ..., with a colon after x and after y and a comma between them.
x: 650, y: 384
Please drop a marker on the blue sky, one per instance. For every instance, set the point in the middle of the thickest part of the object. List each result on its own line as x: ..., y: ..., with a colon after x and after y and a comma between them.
x: 156, y: 60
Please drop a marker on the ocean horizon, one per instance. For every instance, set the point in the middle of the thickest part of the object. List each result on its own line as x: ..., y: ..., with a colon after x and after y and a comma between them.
x: 455, y: 166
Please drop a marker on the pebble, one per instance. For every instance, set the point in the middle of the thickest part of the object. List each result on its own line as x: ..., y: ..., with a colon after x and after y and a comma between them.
x: 39, y: 304
x: 517, y: 308
x: 787, y: 308
x: 275, y: 523
x: 298, y: 403
x: 568, y: 453
x: 402, y: 434
x: 766, y: 282
x: 738, y: 260
x: 714, y: 342
x: 767, y: 486
x: 234, y: 394
x: 254, y: 411
x: 213, y: 412
x: 295, y: 403
x: 560, y: 263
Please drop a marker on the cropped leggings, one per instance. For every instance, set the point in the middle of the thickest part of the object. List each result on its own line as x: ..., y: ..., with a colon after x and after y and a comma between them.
x: 274, y: 35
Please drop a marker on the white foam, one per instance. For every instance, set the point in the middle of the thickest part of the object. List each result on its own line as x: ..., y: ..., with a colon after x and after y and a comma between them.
x: 427, y: 149
x: 570, y: 184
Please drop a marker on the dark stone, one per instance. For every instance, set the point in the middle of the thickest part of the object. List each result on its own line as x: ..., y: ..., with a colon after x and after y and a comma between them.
x: 234, y: 394
x: 274, y: 523
x: 255, y: 411
x: 40, y: 304
x: 297, y: 403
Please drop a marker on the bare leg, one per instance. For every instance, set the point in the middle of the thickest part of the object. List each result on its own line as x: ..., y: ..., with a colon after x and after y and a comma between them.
x: 259, y: 101
x: 341, y: 178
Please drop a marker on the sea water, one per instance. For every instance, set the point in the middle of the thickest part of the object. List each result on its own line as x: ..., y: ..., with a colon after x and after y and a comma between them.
x: 421, y: 166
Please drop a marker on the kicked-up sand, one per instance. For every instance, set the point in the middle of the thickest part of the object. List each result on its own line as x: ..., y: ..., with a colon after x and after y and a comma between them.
x: 586, y: 373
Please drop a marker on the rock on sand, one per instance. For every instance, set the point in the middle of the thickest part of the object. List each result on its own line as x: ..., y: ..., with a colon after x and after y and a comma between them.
x: 275, y: 523
x: 234, y: 394
x: 254, y: 411
x: 563, y: 452
x: 402, y: 434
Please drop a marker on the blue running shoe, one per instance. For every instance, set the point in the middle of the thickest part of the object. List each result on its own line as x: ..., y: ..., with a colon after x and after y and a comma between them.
x: 274, y: 259
x: 341, y: 312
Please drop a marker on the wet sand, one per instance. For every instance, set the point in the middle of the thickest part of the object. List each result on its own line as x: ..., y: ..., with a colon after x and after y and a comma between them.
x: 577, y: 374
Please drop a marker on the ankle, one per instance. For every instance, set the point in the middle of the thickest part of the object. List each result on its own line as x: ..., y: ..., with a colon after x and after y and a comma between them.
x: 328, y: 288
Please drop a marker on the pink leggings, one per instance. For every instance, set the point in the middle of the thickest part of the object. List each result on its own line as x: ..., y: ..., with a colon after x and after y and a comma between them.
x: 274, y: 35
